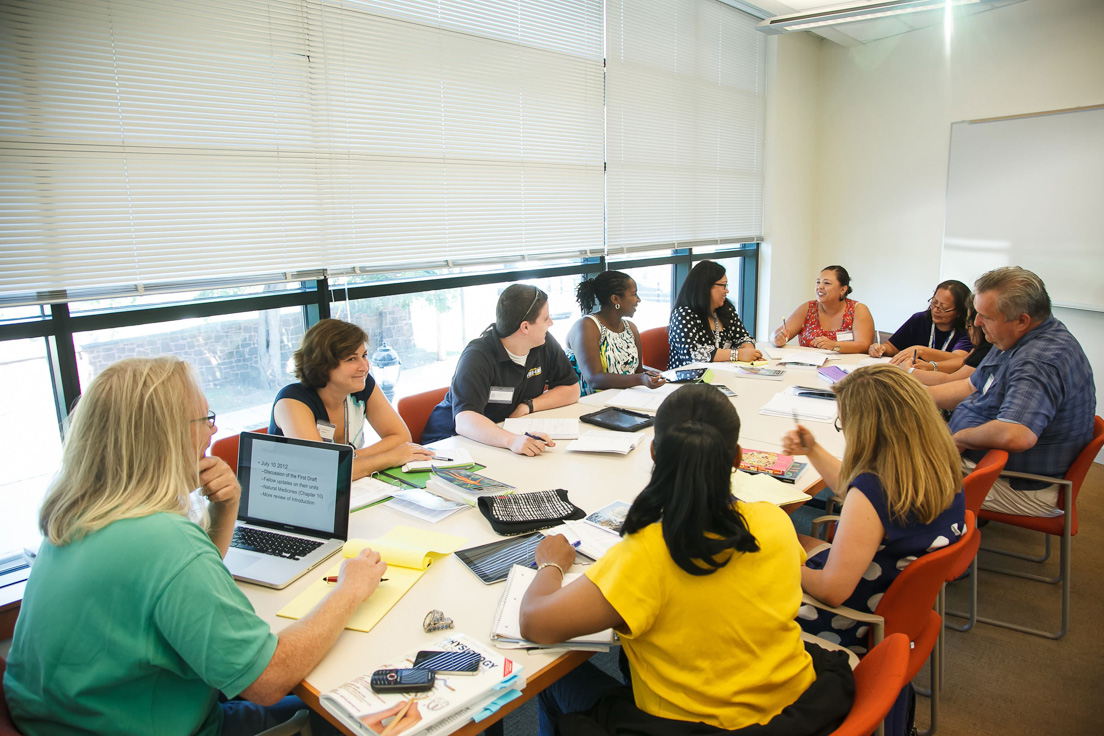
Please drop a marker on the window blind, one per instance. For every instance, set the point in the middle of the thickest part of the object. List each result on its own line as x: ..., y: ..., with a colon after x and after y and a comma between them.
x: 146, y: 142
x: 685, y: 107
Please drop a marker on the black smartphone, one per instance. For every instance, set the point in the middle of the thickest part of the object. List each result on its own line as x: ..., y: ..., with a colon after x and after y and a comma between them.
x: 448, y: 663
x: 693, y: 375
x: 402, y: 681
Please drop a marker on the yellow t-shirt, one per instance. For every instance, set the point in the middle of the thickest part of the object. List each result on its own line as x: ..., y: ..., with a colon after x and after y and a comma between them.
x: 722, y: 648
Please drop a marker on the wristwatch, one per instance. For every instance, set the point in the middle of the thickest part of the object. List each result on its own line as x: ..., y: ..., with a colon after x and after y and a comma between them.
x: 835, y: 349
x: 529, y: 403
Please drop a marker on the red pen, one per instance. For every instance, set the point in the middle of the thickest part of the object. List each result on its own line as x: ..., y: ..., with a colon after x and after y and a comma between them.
x: 333, y: 579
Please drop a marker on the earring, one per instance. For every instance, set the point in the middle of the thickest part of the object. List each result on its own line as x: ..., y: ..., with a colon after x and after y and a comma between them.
x: 616, y: 306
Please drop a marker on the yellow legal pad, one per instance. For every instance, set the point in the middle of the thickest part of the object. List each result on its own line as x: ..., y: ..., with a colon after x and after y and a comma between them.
x: 408, y: 553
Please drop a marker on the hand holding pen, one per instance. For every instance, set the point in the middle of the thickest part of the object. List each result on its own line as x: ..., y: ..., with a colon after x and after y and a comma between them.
x: 530, y: 443
x: 799, y: 440
x: 652, y: 379
x: 781, y: 335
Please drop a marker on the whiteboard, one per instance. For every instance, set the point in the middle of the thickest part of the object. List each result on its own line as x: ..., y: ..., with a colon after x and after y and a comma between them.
x: 1029, y: 191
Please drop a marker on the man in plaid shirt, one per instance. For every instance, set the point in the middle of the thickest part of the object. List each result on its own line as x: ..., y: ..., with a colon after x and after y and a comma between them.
x: 1033, y: 395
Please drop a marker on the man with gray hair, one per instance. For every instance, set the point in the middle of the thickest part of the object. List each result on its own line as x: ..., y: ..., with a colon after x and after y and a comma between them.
x: 1033, y: 395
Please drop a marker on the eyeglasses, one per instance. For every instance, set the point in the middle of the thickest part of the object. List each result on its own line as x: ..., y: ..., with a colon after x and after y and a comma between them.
x: 937, y: 307
x: 722, y: 284
x: 210, y: 419
x: 836, y: 424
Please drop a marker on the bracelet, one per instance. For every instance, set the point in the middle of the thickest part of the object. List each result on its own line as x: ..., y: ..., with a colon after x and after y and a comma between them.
x: 552, y: 564
x: 934, y: 366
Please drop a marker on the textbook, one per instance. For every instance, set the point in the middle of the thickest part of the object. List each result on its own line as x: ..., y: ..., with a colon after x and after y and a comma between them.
x: 506, y: 629
x: 761, y: 487
x: 770, y: 374
x: 782, y: 467
x: 408, y: 552
x: 453, y: 701
x: 831, y: 373
x: 457, y: 484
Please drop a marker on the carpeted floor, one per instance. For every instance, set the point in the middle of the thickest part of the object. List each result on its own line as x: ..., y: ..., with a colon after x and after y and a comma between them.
x: 999, y: 681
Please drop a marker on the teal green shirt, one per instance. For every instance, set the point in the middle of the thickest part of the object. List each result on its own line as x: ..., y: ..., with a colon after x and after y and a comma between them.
x: 132, y: 630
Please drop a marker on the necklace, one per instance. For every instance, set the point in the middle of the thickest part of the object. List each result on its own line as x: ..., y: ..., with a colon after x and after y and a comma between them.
x: 931, y: 339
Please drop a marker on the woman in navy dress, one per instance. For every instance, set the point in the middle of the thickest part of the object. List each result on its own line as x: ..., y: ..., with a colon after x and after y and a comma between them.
x: 902, y: 477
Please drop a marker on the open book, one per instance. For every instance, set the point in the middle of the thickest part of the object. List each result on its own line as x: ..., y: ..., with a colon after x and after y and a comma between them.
x: 453, y: 701
x: 408, y: 553
x: 600, y: 440
x: 752, y: 488
x: 506, y: 629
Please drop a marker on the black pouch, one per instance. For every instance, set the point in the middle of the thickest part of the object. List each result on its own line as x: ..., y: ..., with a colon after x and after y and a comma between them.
x: 520, y: 513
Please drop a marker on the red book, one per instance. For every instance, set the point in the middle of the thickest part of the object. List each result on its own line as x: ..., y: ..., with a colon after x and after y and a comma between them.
x: 762, y: 461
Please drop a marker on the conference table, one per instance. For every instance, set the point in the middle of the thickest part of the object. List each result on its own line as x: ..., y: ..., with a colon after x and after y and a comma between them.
x: 592, y: 480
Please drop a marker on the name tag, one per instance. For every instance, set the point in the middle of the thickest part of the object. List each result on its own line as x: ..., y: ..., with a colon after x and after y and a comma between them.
x: 534, y: 372
x: 845, y: 336
x: 325, y: 430
x: 988, y: 383
x: 501, y: 395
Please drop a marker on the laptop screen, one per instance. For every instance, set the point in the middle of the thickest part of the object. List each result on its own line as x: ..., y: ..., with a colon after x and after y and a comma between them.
x: 295, y: 485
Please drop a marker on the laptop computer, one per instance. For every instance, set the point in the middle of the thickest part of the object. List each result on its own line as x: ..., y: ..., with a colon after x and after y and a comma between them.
x: 294, y: 509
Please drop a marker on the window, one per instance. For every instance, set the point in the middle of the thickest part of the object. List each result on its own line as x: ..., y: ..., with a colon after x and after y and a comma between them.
x: 653, y: 286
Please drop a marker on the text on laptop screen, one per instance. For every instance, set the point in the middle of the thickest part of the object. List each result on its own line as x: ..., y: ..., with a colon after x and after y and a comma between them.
x: 293, y: 484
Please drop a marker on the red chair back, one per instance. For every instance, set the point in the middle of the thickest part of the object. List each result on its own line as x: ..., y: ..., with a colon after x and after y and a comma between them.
x: 7, y: 725
x: 907, y: 605
x: 227, y: 447
x: 976, y: 485
x: 415, y: 410
x: 879, y: 679
x: 656, y: 348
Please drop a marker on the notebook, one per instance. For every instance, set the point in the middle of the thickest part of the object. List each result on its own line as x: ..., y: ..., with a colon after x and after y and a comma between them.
x: 294, y: 510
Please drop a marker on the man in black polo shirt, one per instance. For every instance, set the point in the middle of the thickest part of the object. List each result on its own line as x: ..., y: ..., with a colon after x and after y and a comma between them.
x: 505, y: 373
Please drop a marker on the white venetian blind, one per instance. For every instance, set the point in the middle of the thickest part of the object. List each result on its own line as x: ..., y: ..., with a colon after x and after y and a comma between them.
x: 150, y: 142
x: 685, y: 115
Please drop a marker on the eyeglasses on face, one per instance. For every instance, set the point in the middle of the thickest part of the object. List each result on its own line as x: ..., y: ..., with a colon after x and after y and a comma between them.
x: 210, y: 419
x: 722, y: 284
x: 937, y: 307
x: 836, y: 424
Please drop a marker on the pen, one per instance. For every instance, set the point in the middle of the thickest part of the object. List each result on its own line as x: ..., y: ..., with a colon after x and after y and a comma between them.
x: 441, y: 457
x: 914, y: 355
x: 533, y: 436
x: 798, y: 427
x: 333, y: 579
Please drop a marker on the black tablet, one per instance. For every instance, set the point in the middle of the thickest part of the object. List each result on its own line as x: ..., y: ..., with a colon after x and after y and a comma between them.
x: 492, y: 562
x: 692, y: 375
x: 620, y: 420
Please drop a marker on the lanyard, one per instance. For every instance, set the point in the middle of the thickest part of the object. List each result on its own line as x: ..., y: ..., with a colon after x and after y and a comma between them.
x: 931, y: 341
x: 348, y: 439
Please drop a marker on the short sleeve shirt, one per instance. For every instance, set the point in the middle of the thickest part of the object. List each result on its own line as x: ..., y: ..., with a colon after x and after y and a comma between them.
x: 357, y: 404
x: 903, y: 543
x: 721, y: 648
x: 918, y: 330
x: 484, y: 365
x: 1045, y: 383
x: 133, y: 629
x: 693, y: 341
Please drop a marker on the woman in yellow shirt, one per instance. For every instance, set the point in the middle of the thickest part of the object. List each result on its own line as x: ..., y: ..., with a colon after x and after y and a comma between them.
x: 702, y: 589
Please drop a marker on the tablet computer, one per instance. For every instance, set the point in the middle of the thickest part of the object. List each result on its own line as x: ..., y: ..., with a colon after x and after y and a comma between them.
x: 491, y: 563
x: 620, y: 420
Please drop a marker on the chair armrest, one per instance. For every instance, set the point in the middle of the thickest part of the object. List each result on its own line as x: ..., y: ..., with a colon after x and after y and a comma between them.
x: 818, y: 522
x: 852, y: 658
x: 1033, y: 476
x: 869, y: 618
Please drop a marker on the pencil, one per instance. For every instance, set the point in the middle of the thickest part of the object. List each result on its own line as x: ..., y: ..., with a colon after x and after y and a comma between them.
x: 395, y: 721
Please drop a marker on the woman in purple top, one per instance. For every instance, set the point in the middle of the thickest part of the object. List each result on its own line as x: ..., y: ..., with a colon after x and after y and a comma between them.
x: 937, y: 333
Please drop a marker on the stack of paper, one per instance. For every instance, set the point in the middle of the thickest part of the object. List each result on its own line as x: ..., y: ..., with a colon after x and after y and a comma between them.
x: 454, y: 457
x: 506, y: 629
x: 752, y: 488
x: 600, y: 440
x: 558, y: 428
x: 637, y: 400
x: 424, y: 505
x: 785, y: 404
x: 368, y: 491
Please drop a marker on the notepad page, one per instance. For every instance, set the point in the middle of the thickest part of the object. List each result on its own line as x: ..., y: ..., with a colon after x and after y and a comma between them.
x: 558, y: 428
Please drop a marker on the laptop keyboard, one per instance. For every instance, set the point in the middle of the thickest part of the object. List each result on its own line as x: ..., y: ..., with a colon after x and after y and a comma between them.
x: 272, y: 543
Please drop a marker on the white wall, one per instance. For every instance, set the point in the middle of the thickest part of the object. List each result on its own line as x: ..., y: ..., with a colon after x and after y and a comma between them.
x: 884, y: 112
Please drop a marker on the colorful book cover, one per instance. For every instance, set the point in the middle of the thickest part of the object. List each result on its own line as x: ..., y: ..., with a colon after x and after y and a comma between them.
x: 473, y: 483
x: 762, y: 461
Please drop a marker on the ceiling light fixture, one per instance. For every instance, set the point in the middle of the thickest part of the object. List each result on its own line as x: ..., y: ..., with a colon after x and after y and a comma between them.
x: 853, y: 12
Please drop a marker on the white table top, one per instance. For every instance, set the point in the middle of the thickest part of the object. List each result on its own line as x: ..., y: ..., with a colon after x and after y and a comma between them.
x: 592, y: 480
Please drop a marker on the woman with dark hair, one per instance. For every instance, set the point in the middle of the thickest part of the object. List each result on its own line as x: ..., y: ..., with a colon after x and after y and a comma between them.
x: 937, y: 333
x: 336, y: 395
x: 832, y: 321
x: 958, y: 366
x: 604, y: 346
x: 704, y: 325
x: 703, y: 590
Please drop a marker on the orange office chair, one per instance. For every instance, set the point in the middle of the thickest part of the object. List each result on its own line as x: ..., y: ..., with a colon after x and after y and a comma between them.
x: 415, y: 410
x: 976, y: 486
x: 879, y: 679
x: 656, y: 348
x: 908, y: 608
x: 227, y: 447
x: 1064, y: 526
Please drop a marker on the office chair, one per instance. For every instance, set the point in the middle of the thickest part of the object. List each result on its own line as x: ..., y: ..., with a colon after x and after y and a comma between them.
x: 655, y: 348
x: 227, y: 447
x: 1064, y: 527
x: 907, y: 607
x: 879, y: 679
x: 415, y: 410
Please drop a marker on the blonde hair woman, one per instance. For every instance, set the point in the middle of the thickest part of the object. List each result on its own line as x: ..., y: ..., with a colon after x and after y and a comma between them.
x: 901, y: 474
x: 130, y: 623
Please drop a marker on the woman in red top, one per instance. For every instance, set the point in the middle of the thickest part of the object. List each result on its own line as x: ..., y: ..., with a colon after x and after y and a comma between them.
x: 831, y: 321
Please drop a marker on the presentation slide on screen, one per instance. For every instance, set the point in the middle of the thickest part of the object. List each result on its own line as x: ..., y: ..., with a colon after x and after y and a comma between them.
x: 291, y: 484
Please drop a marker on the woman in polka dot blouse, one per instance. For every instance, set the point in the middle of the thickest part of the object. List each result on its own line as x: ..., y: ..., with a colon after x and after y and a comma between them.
x: 903, y: 479
x: 704, y: 324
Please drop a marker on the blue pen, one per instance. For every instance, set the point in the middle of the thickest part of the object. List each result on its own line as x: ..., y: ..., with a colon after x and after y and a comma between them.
x: 538, y: 439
